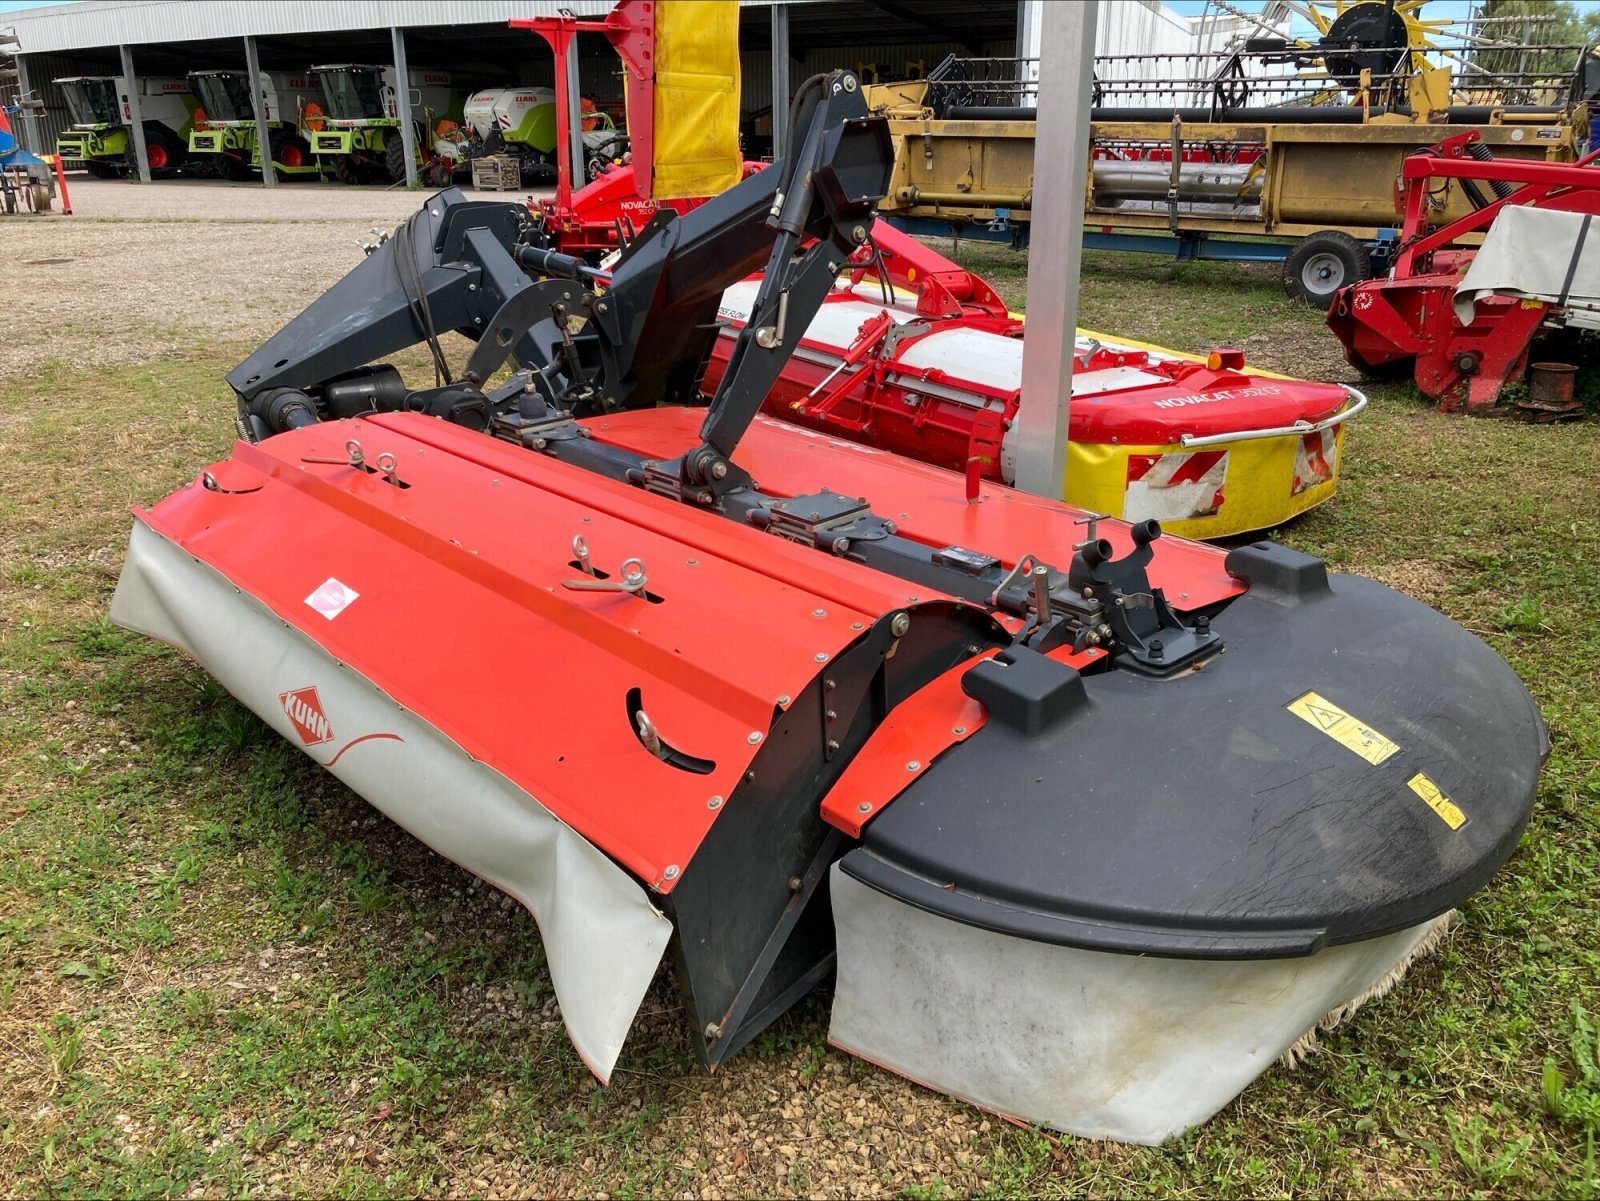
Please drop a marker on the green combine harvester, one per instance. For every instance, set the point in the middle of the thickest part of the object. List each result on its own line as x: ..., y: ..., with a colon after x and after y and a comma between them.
x: 100, y: 137
x: 359, y: 138
x: 229, y: 135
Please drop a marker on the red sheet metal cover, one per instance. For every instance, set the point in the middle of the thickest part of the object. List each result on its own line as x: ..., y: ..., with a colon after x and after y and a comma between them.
x: 450, y: 599
x: 928, y: 503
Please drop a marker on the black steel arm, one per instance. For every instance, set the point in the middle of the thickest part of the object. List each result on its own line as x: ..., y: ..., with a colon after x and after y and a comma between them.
x: 468, y: 266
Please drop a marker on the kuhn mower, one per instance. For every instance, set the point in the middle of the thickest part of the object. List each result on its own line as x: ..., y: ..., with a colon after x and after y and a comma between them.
x: 1089, y: 824
x: 1462, y: 321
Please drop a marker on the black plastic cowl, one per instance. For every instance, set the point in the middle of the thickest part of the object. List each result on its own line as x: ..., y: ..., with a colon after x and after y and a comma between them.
x: 1278, y: 574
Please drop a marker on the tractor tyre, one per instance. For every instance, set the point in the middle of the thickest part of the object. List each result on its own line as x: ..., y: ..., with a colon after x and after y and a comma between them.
x: 163, y: 150
x: 343, y: 168
x: 1322, y: 263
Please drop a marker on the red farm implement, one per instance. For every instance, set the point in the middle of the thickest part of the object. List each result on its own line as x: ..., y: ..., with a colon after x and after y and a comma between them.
x: 1414, y: 317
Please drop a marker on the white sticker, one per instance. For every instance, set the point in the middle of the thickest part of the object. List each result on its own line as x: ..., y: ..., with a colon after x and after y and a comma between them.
x: 332, y: 598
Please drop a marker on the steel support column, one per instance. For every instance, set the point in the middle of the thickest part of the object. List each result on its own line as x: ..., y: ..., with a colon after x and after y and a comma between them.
x: 131, y: 114
x: 252, y: 70
x: 1029, y: 14
x: 30, y: 120
x: 780, y: 80
x: 1055, y: 250
x: 580, y: 160
x: 408, y: 133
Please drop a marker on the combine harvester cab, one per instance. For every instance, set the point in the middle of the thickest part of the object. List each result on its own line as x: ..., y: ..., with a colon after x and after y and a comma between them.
x: 914, y: 354
x: 99, y: 137
x: 681, y: 678
x: 230, y: 133
x: 359, y: 136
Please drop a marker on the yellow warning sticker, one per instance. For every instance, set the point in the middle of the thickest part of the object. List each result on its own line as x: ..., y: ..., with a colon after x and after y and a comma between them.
x: 1449, y: 812
x: 1344, y: 729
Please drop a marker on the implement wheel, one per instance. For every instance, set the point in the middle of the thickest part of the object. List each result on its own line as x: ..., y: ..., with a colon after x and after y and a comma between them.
x: 1321, y: 264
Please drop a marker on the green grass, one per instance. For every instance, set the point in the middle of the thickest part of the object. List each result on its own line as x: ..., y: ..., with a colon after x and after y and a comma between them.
x: 221, y: 972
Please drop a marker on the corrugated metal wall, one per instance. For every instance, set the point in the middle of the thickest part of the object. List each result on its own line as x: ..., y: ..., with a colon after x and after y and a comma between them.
x: 116, y: 22
x: 892, y: 63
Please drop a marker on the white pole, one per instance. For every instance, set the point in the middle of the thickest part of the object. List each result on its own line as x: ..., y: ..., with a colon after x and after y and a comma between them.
x: 252, y: 70
x: 780, y: 80
x: 1055, y: 250
x: 135, y: 119
x: 402, y: 97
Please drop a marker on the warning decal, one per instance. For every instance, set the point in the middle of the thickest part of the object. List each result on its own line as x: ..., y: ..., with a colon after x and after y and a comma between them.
x: 1449, y: 812
x: 1344, y: 729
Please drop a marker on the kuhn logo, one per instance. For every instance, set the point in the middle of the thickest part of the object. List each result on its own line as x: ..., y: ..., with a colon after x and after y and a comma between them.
x: 304, y: 709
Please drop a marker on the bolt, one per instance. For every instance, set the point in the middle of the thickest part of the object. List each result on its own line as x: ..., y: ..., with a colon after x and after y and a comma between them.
x: 849, y: 83
x: 714, y: 803
x: 864, y: 807
x: 958, y: 729
x: 822, y: 656
x: 755, y: 737
x: 784, y: 699
x: 1156, y: 649
x: 833, y: 715
x: 1202, y: 625
x: 719, y: 471
x: 833, y: 745
x: 819, y: 612
x: 856, y: 625
x: 841, y: 546
x: 899, y: 624
x: 713, y: 1031
x: 829, y: 685
x: 796, y: 883
x: 602, y: 307
x: 671, y: 873
x: 914, y: 765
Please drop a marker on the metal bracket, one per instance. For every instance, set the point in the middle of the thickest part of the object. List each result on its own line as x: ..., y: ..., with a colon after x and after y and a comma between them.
x: 828, y: 520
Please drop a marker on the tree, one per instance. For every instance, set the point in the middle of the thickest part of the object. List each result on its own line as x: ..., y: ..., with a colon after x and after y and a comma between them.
x: 1520, y: 24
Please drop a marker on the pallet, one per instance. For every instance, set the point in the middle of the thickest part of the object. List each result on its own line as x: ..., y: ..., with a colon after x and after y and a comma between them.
x: 496, y: 173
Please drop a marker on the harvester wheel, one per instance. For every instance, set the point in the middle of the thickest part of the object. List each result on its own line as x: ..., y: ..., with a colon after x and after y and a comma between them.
x: 1321, y: 264
x: 394, y: 156
x: 163, y: 150
x: 343, y: 168
x: 290, y: 150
